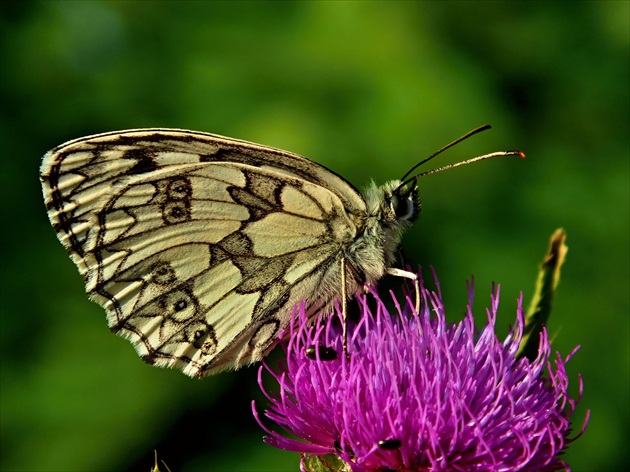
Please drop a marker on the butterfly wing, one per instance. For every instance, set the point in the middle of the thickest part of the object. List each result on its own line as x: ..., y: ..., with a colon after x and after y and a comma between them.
x: 198, y: 246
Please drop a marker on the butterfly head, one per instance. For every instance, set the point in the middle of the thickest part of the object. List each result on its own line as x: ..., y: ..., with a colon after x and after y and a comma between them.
x: 394, y: 205
x: 391, y: 208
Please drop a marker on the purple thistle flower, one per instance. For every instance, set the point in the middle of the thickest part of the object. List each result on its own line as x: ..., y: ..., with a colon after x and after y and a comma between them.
x: 419, y: 395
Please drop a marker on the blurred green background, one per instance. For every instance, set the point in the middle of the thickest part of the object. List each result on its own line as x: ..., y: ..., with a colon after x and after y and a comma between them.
x: 366, y: 89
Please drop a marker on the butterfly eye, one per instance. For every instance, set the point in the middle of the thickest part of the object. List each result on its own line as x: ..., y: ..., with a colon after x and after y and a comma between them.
x: 404, y: 207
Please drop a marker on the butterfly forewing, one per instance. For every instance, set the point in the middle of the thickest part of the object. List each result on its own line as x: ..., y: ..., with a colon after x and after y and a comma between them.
x: 198, y: 246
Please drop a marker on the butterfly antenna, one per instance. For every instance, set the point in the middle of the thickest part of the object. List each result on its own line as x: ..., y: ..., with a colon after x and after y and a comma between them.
x: 404, y: 182
x: 520, y: 154
x: 448, y: 146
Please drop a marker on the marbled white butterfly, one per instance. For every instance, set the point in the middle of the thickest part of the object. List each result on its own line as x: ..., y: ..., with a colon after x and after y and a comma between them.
x: 200, y: 246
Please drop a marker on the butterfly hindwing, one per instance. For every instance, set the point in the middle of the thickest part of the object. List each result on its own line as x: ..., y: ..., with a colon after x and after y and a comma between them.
x: 198, y: 246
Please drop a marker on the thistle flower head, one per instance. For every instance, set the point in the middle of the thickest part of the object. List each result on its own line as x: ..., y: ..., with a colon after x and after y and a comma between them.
x: 416, y: 394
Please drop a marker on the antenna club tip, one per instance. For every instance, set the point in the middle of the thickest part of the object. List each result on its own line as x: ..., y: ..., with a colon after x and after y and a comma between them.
x: 520, y: 154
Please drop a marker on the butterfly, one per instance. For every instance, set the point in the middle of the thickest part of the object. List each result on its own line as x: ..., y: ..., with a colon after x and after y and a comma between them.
x: 199, y: 246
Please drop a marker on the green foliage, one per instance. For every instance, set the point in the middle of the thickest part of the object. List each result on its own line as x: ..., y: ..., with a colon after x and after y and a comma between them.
x: 365, y: 88
x: 327, y: 463
x: 541, y: 304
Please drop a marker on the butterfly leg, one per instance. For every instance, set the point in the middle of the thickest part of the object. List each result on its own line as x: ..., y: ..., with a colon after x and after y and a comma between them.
x: 408, y: 275
x: 344, y: 308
